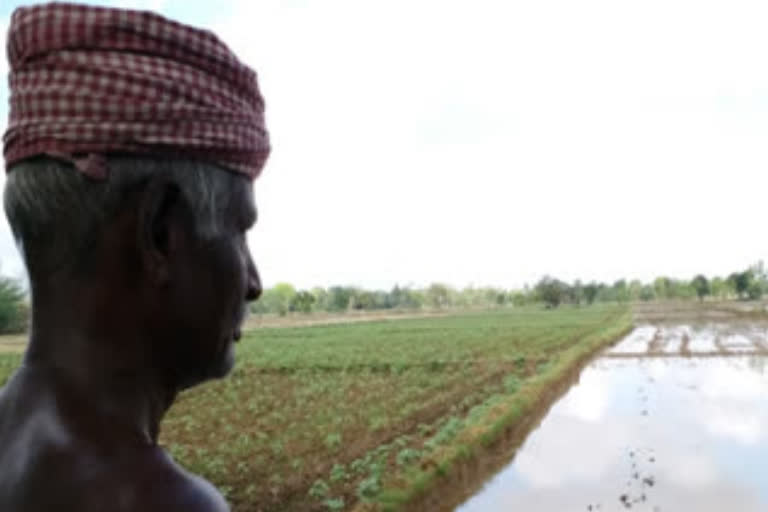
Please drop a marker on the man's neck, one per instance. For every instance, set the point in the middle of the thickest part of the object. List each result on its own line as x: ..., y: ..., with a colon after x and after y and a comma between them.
x: 132, y: 405
x: 111, y: 377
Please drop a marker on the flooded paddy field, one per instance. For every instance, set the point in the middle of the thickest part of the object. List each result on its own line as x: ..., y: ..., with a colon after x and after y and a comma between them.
x: 672, y: 418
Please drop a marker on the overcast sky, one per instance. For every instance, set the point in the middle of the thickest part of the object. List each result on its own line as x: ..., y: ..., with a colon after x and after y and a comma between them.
x: 484, y: 142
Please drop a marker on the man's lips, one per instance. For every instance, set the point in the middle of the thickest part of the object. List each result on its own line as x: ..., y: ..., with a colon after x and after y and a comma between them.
x: 238, y: 331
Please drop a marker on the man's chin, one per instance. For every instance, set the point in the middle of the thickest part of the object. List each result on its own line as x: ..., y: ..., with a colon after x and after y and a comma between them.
x: 224, y: 363
x: 215, y: 368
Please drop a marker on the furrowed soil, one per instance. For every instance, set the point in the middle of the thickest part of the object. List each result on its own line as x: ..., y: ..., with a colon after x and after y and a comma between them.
x: 365, y: 415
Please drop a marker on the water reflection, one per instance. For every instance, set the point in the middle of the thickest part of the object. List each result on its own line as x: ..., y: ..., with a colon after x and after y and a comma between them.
x: 650, y: 433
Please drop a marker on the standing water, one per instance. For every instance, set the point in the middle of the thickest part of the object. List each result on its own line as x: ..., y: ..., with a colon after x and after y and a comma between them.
x: 673, y: 418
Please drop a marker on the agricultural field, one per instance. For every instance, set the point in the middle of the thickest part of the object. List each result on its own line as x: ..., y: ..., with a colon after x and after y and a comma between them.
x: 360, y: 416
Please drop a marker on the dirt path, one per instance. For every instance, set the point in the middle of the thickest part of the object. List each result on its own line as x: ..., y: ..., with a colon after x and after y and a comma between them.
x: 306, y: 320
x: 14, y: 343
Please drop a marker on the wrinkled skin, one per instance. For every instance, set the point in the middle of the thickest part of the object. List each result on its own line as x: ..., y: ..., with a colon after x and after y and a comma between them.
x: 156, y: 310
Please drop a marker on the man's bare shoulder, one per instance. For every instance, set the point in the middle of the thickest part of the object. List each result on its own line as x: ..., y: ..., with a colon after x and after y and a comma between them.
x: 152, y: 481
x: 46, y: 463
x: 190, y: 493
x: 78, y: 479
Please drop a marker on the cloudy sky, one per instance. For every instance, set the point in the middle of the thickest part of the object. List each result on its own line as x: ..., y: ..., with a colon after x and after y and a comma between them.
x: 479, y: 142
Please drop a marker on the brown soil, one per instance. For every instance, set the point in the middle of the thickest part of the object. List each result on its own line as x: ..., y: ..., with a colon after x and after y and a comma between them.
x: 657, y: 342
x: 720, y: 346
x: 13, y: 343
x: 309, y: 319
x: 18, y: 342
x: 685, y: 345
x: 675, y: 312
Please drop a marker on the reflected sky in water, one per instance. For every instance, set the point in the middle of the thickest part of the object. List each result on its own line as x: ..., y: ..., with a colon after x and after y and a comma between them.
x: 650, y: 433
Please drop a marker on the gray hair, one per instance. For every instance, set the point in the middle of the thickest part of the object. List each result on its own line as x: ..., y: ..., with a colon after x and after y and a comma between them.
x: 56, y: 212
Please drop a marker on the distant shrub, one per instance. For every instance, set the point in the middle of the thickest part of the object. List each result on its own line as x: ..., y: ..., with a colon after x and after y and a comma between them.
x: 14, y: 312
x: 755, y: 291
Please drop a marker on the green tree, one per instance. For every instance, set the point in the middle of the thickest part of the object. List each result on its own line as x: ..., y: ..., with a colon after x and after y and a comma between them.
x: 396, y: 297
x: 647, y: 293
x: 741, y: 282
x: 405, y: 297
x: 470, y: 296
x: 284, y: 293
x: 681, y: 289
x: 620, y: 291
x: 339, y: 298
x: 302, y: 302
x: 321, y: 298
x: 661, y: 286
x: 717, y: 288
x: 635, y: 289
x: 381, y: 300
x: 590, y: 292
x: 755, y: 290
x: 701, y: 285
x: 361, y: 299
x: 759, y: 272
x: 493, y: 296
x: 551, y: 291
x: 518, y: 298
x: 437, y: 295
x: 275, y: 300
x: 14, y: 313
x: 759, y: 280
x: 577, y: 293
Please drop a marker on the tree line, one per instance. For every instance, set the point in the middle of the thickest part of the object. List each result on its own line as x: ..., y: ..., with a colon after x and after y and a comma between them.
x: 550, y: 292
x: 283, y: 298
x: 14, y: 309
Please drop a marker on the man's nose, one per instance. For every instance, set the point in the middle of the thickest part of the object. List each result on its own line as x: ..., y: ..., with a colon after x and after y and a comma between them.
x: 253, y: 288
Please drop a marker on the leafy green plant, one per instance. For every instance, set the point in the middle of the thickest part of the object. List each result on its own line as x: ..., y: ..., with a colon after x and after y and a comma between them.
x: 339, y: 473
x: 369, y: 487
x: 407, y: 456
x: 511, y: 384
x: 332, y: 441
x: 334, y: 504
x: 319, y: 489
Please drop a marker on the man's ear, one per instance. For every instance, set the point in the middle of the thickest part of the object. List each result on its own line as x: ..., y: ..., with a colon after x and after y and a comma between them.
x: 159, y: 227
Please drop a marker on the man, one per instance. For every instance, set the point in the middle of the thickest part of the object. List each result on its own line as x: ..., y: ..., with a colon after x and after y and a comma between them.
x: 131, y: 148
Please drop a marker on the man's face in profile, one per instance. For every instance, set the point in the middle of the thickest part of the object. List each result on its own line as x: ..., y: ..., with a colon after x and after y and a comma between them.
x: 131, y: 195
x: 212, y: 280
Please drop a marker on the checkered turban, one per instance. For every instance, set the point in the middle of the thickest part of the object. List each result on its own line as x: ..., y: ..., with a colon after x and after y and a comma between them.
x: 87, y: 81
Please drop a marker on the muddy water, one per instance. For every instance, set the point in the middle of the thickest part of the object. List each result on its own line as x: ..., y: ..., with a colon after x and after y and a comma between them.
x: 672, y: 418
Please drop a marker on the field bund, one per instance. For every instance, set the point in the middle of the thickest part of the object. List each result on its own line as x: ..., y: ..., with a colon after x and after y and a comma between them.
x: 382, y: 415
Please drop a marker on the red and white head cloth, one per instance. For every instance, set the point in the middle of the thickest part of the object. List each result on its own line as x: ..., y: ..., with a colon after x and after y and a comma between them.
x: 89, y: 81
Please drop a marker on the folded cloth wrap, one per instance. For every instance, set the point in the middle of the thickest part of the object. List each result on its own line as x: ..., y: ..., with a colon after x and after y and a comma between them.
x: 88, y: 81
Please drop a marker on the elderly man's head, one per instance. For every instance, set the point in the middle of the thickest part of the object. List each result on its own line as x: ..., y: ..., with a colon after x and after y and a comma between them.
x: 160, y: 242
x: 131, y: 148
